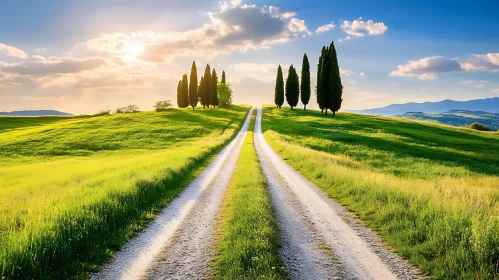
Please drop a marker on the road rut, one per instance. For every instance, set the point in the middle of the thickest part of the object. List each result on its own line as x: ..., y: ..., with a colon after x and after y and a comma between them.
x: 185, y: 224
x: 355, y: 251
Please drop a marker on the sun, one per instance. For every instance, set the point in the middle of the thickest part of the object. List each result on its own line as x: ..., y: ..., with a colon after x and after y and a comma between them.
x: 135, y: 50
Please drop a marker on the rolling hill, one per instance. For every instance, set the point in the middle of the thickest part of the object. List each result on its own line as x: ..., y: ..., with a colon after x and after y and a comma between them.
x: 487, y: 105
x: 34, y: 113
x: 457, y: 118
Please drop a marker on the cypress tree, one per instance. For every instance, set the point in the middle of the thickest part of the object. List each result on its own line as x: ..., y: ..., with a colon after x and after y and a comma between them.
x: 325, y: 80
x: 279, y: 88
x: 179, y: 94
x: 318, y: 88
x: 185, y: 91
x: 292, y: 87
x: 335, y: 86
x: 305, y: 82
x: 193, y: 86
x: 223, y: 77
x: 214, y: 89
x: 201, y: 88
x: 205, y: 97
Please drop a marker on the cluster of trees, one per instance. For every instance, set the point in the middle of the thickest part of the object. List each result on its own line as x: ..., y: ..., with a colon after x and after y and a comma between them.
x: 293, y: 88
x: 190, y: 93
x: 329, y: 89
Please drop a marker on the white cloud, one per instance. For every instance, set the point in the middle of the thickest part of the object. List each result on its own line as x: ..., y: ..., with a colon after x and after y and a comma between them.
x: 235, y: 27
x: 277, y: 12
x: 427, y: 68
x: 39, y: 50
x: 495, y: 90
x: 362, y: 74
x: 359, y: 28
x: 424, y: 89
x: 11, y: 51
x: 53, y: 65
x: 475, y: 83
x: 325, y: 28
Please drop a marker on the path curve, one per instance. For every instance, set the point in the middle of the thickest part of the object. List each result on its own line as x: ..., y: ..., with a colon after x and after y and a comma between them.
x: 135, y: 259
x: 357, y: 250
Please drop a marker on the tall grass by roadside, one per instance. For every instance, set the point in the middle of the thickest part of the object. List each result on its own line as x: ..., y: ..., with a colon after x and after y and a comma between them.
x: 431, y: 191
x: 248, y: 242
x: 74, y: 191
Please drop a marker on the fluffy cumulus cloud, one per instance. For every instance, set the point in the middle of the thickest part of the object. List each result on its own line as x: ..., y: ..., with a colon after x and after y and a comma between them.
x: 12, y: 51
x: 234, y: 27
x: 359, y: 28
x: 428, y: 68
x: 325, y: 28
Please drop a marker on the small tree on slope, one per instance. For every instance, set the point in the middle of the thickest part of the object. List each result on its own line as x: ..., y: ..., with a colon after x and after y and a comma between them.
x: 205, y: 98
x: 179, y: 94
x: 193, y: 86
x: 292, y: 87
x: 279, y: 88
x: 335, y: 86
x: 305, y: 82
x: 223, y: 78
x: 214, y: 91
x: 185, y: 91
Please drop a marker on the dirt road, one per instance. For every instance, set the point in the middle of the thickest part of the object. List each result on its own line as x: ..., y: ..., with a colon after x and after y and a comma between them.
x: 175, y: 243
x: 314, y: 226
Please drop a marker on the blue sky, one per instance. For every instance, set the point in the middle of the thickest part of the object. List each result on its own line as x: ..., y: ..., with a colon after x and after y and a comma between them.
x: 84, y: 56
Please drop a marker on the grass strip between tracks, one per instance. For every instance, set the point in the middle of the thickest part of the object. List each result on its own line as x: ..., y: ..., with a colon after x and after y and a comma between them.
x: 248, y: 235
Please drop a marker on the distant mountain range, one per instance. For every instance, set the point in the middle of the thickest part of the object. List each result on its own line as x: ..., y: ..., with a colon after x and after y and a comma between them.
x: 457, y: 118
x: 486, y: 105
x: 34, y: 113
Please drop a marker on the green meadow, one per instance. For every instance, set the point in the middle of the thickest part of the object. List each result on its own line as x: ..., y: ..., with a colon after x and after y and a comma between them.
x: 248, y: 236
x: 431, y: 191
x: 74, y: 190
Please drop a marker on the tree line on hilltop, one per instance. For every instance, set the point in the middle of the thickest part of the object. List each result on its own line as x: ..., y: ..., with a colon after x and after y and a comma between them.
x: 329, y: 89
x: 209, y: 92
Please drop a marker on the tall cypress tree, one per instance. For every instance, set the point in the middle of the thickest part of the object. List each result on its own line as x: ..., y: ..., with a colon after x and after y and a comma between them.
x: 335, y: 86
x: 185, y: 92
x: 179, y: 94
x: 325, y: 80
x: 305, y: 82
x: 201, y: 88
x: 318, y: 88
x: 279, y: 88
x: 214, y: 89
x: 292, y: 87
x: 193, y: 86
x: 223, y: 77
x: 205, y: 97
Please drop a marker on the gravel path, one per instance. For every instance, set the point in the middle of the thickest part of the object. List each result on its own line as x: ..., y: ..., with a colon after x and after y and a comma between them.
x: 175, y: 243
x: 355, y: 251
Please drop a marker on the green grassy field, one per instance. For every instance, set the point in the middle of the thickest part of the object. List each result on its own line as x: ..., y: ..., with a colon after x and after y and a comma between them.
x: 248, y: 242
x: 73, y: 190
x: 432, y: 191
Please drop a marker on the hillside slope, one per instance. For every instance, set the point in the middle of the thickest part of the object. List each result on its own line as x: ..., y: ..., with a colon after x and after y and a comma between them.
x: 429, y: 189
x: 457, y: 118
x: 34, y: 113
x: 73, y: 190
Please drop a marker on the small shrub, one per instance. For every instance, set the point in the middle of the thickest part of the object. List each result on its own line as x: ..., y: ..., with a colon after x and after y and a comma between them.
x: 128, y: 109
x: 479, y: 126
x: 163, y: 105
x: 102, y: 113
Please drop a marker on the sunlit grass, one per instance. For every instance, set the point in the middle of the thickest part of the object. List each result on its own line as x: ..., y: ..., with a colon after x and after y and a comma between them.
x: 248, y: 244
x: 431, y: 191
x: 74, y: 190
